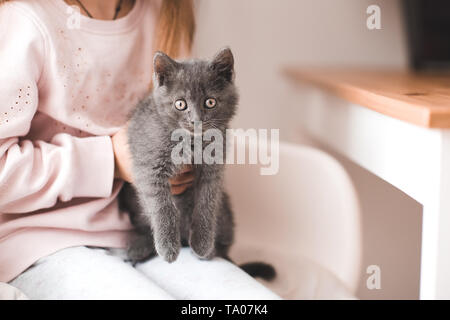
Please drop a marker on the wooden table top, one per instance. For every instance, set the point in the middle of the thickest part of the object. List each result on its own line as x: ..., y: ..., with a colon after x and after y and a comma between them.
x: 421, y: 99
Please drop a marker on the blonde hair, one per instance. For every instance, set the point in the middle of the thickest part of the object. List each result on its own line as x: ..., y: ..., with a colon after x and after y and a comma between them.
x: 175, y: 28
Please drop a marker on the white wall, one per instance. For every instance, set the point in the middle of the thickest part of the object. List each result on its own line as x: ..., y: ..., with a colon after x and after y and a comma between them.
x: 265, y: 36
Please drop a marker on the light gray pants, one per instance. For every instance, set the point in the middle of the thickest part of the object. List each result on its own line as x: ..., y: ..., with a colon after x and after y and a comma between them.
x: 94, y: 273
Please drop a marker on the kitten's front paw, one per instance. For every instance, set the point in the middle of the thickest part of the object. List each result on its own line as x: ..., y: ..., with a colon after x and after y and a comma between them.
x: 201, y: 244
x: 167, y: 232
x: 169, y: 251
x: 168, y: 245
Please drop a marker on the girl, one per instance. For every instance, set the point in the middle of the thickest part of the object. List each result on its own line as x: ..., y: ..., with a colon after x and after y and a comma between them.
x: 69, y: 73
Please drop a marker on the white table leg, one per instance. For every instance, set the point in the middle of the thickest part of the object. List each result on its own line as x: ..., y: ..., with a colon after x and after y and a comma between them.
x: 414, y: 159
x: 435, y: 267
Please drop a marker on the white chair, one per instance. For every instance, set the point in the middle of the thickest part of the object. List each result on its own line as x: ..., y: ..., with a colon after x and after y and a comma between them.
x: 304, y: 220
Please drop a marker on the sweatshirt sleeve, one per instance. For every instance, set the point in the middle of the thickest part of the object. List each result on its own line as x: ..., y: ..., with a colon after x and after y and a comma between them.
x: 36, y: 174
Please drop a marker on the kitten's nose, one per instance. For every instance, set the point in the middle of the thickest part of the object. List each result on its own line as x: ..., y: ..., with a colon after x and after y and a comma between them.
x: 196, y: 124
x: 195, y: 121
x: 195, y: 117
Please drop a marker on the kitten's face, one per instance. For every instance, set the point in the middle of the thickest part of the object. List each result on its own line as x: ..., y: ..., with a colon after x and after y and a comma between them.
x: 197, y: 90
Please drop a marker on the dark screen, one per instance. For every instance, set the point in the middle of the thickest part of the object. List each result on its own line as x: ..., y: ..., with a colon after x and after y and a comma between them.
x: 428, y: 31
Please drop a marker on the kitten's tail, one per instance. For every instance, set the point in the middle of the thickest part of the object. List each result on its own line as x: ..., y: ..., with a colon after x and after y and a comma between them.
x: 259, y: 269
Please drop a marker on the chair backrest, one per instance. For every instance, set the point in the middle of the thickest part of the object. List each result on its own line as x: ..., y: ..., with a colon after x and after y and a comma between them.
x: 308, y: 208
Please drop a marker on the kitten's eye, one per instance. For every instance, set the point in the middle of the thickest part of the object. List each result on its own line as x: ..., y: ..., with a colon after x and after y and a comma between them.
x: 180, y: 105
x: 210, y: 103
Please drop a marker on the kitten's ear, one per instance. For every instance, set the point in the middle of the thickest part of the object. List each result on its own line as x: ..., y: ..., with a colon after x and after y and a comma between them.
x: 163, y: 66
x: 223, y: 64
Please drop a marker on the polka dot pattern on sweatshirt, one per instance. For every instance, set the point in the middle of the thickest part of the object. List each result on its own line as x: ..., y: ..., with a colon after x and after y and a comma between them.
x: 24, y: 100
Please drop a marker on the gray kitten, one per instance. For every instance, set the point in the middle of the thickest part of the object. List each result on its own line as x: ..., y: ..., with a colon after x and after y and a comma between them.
x: 184, y: 93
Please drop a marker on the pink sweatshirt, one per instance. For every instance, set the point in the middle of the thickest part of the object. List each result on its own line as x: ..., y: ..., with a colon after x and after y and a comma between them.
x: 64, y: 90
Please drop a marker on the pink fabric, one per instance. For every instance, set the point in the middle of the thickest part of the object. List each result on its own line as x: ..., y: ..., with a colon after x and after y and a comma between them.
x: 63, y: 92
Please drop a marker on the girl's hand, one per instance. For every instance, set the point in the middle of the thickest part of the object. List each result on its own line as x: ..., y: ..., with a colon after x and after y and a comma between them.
x: 183, y: 180
x: 122, y: 169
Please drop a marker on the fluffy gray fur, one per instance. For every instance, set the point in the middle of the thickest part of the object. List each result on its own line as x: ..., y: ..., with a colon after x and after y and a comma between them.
x: 201, y: 217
